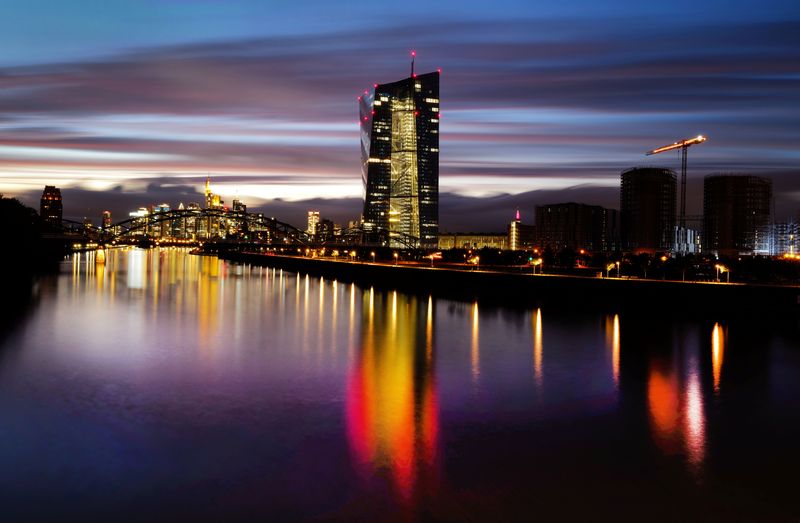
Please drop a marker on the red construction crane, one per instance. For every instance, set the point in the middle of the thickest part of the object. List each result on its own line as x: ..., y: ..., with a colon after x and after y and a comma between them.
x: 683, y: 145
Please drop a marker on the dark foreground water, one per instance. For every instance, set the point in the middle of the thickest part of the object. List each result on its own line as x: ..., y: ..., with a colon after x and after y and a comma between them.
x: 166, y: 386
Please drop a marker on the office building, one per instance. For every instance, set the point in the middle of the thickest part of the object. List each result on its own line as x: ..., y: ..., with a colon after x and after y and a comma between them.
x: 520, y: 236
x: 313, y: 222
x: 577, y: 226
x: 238, y: 206
x: 471, y: 240
x: 106, y: 219
x: 400, y: 161
x: 647, y: 209
x: 51, y: 207
x: 736, y: 214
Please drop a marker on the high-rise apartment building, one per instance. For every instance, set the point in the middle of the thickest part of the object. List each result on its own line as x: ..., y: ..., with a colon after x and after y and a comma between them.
x: 647, y: 209
x: 51, y: 207
x: 577, y: 226
x: 400, y: 161
x: 736, y: 214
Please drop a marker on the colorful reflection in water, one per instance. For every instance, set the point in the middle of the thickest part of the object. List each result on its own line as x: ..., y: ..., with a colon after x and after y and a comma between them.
x: 676, y: 406
x: 717, y: 353
x: 537, y: 347
x: 392, y: 406
x: 326, y: 400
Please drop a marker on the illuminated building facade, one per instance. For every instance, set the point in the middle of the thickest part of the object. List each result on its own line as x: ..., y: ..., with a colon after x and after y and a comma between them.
x: 213, y: 201
x: 647, y: 209
x: 785, y: 238
x: 737, y: 211
x: 106, y: 219
x: 51, y: 206
x: 520, y: 236
x: 400, y: 160
x: 472, y: 240
x: 313, y: 221
x: 577, y: 226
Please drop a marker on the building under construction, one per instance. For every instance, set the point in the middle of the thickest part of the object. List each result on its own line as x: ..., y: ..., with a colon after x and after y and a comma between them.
x: 647, y: 209
x: 736, y: 214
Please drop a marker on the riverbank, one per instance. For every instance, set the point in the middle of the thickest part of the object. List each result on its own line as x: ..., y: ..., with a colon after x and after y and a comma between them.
x: 572, y: 292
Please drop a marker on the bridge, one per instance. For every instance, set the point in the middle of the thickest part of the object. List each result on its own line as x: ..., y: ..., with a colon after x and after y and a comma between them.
x: 214, y: 224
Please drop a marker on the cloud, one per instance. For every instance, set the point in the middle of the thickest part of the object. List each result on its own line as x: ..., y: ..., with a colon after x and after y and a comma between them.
x: 527, y: 105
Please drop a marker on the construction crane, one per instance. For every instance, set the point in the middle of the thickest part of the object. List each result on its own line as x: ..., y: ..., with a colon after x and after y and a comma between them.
x: 683, y: 145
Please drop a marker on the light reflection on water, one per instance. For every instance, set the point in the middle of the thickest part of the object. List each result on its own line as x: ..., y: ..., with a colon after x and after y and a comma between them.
x: 216, y: 374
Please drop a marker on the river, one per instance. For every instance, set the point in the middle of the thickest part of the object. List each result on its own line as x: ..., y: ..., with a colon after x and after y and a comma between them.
x: 167, y: 386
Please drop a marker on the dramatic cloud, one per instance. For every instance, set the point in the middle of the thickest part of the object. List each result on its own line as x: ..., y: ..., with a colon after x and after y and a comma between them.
x: 531, y: 106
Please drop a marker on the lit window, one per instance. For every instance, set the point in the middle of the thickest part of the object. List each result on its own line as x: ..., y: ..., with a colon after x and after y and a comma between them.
x: 435, y: 109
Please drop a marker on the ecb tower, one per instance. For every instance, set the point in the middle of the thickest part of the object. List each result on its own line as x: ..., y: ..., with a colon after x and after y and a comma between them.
x: 400, y: 161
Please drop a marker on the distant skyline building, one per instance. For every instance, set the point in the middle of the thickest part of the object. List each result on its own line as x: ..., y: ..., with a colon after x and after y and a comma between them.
x: 106, y: 219
x: 213, y: 201
x: 313, y: 222
x: 51, y: 207
x: 520, y: 236
x: 737, y: 212
x: 400, y: 160
x: 784, y: 238
x: 577, y: 226
x: 473, y: 240
x: 647, y: 209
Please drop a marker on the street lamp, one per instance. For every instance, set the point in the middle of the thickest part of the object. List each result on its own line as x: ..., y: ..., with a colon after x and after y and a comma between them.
x: 395, y: 258
x: 373, y: 256
x: 537, y: 263
x: 617, y: 264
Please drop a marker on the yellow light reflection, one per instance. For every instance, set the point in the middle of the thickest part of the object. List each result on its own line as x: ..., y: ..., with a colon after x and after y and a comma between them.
x: 537, y: 347
x: 475, y: 355
x: 208, y: 300
x: 392, y: 410
x: 717, y: 353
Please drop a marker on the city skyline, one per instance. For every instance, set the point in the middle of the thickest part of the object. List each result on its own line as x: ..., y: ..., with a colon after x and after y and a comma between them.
x: 549, y: 107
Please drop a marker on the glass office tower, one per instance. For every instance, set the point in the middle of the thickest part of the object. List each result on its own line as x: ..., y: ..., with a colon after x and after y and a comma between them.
x: 400, y: 162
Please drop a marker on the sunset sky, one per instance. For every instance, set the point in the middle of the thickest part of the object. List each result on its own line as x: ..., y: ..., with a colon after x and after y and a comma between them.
x: 125, y: 104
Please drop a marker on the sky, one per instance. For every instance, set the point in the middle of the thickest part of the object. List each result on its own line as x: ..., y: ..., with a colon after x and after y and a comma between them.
x: 125, y: 104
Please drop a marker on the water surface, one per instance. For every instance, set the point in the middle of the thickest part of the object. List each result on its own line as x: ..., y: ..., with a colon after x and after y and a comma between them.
x: 166, y: 386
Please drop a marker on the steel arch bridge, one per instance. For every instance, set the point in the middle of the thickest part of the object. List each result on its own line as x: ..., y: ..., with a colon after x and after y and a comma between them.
x: 219, y: 224
x: 206, y: 224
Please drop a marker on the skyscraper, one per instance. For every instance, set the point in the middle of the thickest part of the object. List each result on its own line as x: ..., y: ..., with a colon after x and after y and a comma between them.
x: 647, y: 209
x: 400, y: 161
x: 51, y: 207
x: 313, y: 222
x: 736, y: 214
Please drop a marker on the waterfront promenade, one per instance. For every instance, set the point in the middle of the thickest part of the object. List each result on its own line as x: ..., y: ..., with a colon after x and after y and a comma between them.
x: 527, y: 289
